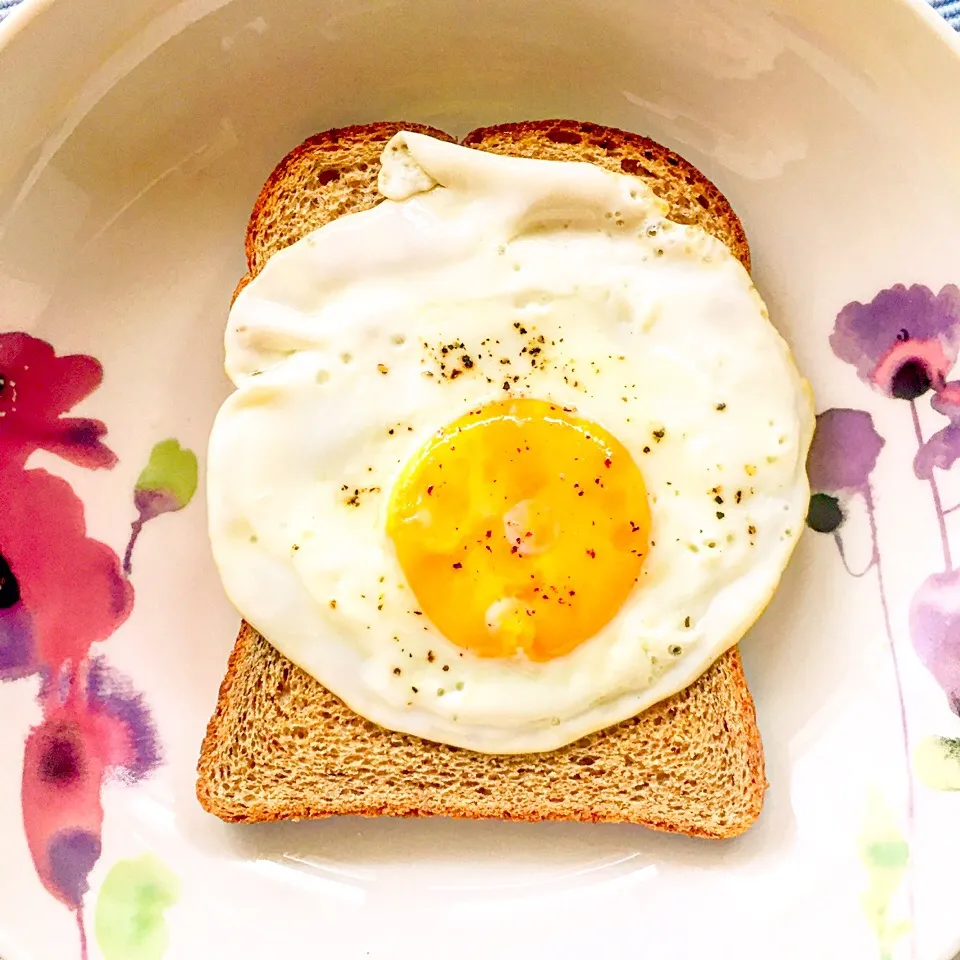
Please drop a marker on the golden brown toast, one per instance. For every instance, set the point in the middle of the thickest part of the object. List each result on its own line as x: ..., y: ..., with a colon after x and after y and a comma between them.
x: 281, y: 746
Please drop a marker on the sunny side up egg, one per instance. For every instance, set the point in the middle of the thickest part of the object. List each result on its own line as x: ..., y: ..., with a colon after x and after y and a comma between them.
x: 511, y: 456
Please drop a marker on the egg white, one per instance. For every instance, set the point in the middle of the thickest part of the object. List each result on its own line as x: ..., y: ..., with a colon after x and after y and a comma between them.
x: 343, y: 351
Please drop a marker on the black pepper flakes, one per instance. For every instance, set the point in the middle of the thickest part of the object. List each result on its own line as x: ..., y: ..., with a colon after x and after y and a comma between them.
x: 751, y: 530
x: 686, y: 622
x: 396, y: 671
x: 592, y: 554
x: 466, y: 361
x: 721, y: 406
x: 458, y: 566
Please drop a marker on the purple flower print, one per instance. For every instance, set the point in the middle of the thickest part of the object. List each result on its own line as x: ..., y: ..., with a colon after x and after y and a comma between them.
x: 904, y: 341
x: 843, y: 455
x: 935, y: 609
x: 935, y: 629
x: 844, y: 451
x: 941, y: 450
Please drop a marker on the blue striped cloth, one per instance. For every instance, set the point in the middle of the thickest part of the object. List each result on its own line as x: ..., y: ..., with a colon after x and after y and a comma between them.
x: 948, y: 8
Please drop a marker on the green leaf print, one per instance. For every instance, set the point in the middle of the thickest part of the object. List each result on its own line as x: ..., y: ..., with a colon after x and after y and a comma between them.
x: 886, y: 856
x: 130, y: 921
x: 166, y: 484
x: 937, y: 762
x: 172, y: 470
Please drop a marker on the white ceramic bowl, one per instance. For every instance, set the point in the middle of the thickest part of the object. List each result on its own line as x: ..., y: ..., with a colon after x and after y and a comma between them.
x: 134, y: 136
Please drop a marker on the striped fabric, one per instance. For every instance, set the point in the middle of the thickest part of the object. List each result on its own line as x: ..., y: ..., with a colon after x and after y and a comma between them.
x: 950, y: 9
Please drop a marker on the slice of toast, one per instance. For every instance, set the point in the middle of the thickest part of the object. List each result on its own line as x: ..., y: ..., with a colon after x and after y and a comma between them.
x: 281, y: 746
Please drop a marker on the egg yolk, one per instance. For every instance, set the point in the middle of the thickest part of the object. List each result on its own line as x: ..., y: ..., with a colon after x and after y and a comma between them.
x: 520, y: 528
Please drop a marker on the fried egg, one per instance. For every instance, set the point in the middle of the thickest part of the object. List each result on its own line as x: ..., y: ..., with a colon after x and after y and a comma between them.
x: 511, y: 456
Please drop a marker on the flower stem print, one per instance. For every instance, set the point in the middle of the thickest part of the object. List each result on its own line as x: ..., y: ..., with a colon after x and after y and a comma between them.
x: 60, y: 592
x: 167, y: 483
x: 842, y: 458
x: 904, y: 344
x: 934, y: 491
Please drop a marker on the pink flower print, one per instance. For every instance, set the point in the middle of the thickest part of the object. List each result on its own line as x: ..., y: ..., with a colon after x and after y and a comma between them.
x: 62, y: 813
x: 95, y: 725
x: 17, y: 654
x: 71, y: 586
x: 904, y: 341
x: 127, y: 734
x: 36, y: 389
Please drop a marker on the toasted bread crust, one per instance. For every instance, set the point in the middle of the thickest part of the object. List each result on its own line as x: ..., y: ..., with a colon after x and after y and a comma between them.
x: 329, y: 174
x: 281, y: 746
x: 669, y: 769
x: 692, y: 197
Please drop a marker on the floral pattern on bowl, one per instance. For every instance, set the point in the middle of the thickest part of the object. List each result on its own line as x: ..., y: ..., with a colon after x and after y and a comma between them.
x: 903, y: 344
x: 60, y: 593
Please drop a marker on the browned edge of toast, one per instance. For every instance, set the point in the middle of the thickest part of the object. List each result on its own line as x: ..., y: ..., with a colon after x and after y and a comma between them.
x: 346, y: 161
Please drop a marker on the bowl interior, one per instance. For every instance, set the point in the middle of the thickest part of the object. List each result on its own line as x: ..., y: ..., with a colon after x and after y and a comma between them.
x: 123, y: 200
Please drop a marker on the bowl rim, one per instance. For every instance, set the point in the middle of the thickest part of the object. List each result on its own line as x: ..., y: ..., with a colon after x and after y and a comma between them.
x: 28, y: 14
